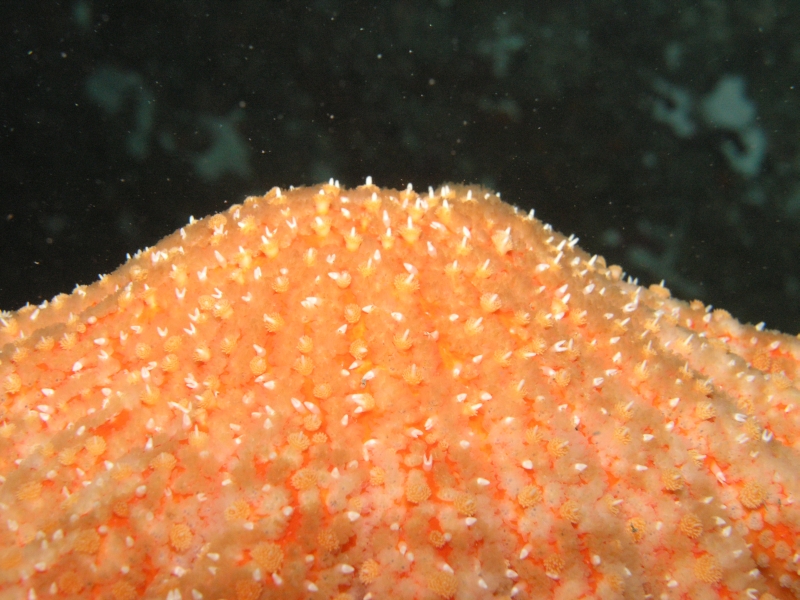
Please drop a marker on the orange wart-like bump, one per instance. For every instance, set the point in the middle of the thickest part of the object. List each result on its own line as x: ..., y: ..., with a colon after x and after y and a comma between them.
x: 268, y: 555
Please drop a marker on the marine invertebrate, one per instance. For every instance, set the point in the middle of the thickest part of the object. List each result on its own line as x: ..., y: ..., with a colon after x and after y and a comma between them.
x: 370, y: 393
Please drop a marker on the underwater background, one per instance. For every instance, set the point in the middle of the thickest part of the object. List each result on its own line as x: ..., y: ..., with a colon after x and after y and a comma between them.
x: 664, y: 133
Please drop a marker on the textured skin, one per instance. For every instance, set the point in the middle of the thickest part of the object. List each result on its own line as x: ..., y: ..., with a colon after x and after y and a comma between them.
x: 328, y: 393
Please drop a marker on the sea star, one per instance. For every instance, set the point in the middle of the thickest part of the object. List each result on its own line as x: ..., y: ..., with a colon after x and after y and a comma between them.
x: 367, y: 393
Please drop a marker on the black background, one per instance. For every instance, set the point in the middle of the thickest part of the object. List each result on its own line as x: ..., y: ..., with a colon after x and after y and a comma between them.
x: 551, y: 103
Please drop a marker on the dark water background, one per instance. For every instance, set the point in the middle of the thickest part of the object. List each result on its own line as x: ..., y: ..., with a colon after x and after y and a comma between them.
x: 665, y: 134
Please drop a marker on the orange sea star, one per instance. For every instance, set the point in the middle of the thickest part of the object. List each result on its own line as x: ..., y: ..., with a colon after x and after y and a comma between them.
x: 328, y: 393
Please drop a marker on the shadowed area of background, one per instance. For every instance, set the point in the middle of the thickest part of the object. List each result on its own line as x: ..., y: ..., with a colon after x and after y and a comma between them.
x: 663, y: 134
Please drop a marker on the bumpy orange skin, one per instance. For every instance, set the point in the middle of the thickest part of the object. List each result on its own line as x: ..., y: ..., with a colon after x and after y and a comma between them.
x: 328, y: 393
